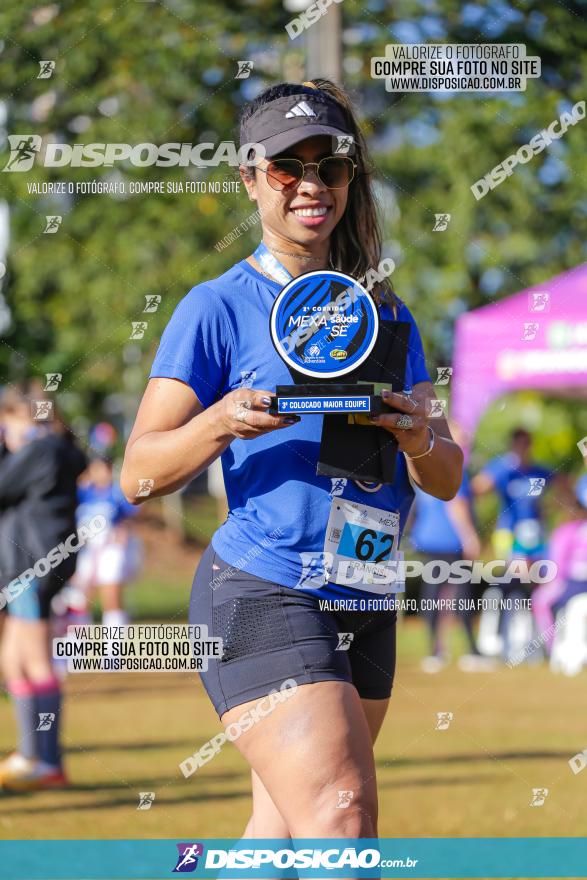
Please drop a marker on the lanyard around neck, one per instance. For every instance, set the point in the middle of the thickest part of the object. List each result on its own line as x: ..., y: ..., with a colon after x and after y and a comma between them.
x: 271, y: 264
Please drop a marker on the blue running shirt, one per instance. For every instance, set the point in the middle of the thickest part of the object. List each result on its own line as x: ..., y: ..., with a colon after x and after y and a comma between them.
x: 433, y: 531
x: 106, y: 501
x: 218, y: 340
x: 512, y: 482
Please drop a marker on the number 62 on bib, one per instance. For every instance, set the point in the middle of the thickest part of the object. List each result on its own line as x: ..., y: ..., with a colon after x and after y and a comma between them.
x: 361, y: 546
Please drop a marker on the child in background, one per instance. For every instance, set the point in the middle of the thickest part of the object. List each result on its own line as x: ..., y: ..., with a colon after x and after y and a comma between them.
x: 113, y: 559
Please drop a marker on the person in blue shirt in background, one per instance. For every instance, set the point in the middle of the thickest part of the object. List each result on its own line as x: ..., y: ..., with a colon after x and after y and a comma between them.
x: 110, y: 561
x: 519, y: 483
x: 446, y: 531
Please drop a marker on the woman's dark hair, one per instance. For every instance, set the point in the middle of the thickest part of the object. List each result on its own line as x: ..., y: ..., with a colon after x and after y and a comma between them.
x: 356, y: 240
x: 18, y: 398
x: 520, y: 434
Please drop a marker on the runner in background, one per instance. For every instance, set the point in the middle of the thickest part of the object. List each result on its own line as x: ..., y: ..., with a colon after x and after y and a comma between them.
x: 519, y: 483
x: 445, y: 531
x: 39, y: 467
x: 113, y: 558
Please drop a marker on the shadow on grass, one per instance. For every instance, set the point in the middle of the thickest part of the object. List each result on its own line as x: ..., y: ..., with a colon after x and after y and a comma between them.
x: 473, y: 758
x: 187, y: 743
x: 193, y: 797
x: 59, y: 803
x: 439, y: 781
x: 107, y: 689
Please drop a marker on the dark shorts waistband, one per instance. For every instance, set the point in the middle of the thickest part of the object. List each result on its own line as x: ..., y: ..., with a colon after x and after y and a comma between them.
x: 273, y: 633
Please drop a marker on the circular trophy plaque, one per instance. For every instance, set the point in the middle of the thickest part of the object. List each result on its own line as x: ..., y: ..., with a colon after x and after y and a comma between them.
x: 324, y: 324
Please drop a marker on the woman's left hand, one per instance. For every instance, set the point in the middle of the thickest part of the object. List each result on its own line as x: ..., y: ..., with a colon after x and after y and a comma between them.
x: 409, y: 426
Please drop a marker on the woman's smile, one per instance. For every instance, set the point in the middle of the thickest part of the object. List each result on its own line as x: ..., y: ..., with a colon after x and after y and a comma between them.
x: 311, y: 215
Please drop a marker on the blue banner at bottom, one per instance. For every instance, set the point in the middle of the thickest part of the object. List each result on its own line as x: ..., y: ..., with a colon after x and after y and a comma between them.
x: 484, y: 857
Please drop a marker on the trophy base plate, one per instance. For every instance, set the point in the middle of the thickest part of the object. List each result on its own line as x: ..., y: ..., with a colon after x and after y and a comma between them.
x: 331, y: 398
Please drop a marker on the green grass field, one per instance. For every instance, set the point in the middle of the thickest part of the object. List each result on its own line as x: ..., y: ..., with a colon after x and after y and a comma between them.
x: 513, y: 730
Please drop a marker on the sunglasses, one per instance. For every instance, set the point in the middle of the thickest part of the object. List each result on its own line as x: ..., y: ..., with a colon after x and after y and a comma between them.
x: 333, y: 171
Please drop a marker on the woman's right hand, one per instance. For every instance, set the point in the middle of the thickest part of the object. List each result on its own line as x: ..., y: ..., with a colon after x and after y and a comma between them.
x: 243, y: 413
x: 175, y: 438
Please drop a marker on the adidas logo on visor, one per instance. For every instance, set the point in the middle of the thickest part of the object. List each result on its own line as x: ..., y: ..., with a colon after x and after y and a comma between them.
x: 301, y: 109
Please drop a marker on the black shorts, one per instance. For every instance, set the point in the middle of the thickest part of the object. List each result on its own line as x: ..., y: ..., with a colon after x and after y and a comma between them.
x: 272, y: 633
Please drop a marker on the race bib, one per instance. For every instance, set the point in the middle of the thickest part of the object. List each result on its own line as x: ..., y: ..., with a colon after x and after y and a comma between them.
x: 361, y: 548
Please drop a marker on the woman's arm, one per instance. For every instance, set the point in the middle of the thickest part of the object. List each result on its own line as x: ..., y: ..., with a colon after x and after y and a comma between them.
x: 174, y: 438
x: 439, y: 472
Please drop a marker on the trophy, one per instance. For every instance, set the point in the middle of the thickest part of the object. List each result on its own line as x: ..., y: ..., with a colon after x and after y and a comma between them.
x: 327, y: 329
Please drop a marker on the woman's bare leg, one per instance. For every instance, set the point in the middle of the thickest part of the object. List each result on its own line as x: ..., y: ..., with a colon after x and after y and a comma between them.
x: 375, y: 711
x: 34, y: 688
x: 266, y: 820
x: 26, y: 650
x: 309, y: 748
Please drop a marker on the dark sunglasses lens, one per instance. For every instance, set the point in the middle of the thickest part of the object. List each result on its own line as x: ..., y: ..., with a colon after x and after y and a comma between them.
x: 282, y: 173
x: 336, y: 171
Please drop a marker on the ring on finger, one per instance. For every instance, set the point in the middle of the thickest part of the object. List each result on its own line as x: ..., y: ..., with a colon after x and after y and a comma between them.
x: 242, y: 408
x: 405, y: 421
x: 410, y: 400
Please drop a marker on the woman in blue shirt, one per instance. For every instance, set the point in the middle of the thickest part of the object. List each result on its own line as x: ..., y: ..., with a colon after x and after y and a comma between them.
x: 316, y: 682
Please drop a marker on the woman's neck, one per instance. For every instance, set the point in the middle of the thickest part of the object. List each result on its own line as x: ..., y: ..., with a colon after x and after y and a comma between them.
x: 298, y: 258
